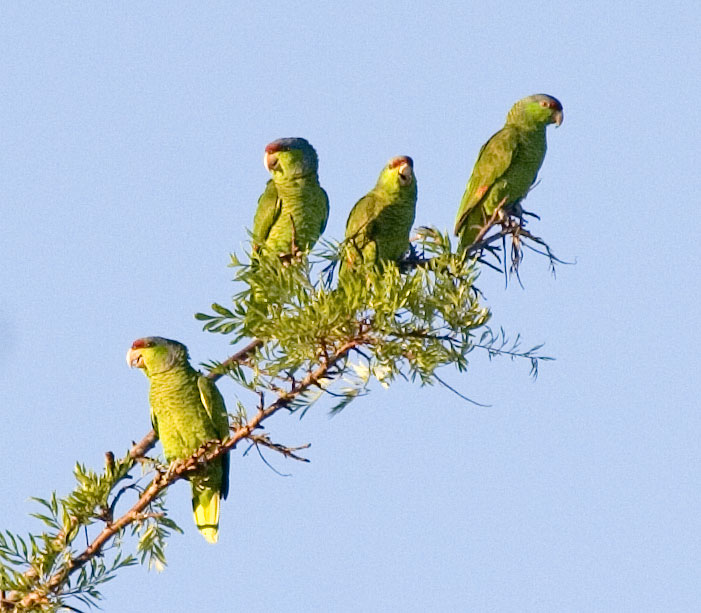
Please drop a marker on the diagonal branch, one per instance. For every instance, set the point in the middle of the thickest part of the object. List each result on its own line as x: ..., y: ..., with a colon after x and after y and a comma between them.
x: 238, y: 357
x: 180, y: 470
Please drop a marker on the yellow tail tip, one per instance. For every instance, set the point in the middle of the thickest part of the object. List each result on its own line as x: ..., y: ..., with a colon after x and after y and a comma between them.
x: 210, y: 534
x: 207, y: 517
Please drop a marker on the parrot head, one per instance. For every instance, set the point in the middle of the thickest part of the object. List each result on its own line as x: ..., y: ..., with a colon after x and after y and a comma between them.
x: 399, y: 172
x: 538, y: 109
x: 290, y: 157
x: 403, y: 165
x: 155, y: 354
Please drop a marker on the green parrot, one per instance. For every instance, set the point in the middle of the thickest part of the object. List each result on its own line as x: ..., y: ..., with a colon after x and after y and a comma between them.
x: 186, y: 411
x: 379, y: 224
x: 507, y: 165
x: 293, y: 210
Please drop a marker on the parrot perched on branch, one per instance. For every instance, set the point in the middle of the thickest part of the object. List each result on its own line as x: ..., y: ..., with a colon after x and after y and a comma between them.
x: 186, y: 411
x: 293, y: 210
x: 506, y: 166
x: 379, y: 224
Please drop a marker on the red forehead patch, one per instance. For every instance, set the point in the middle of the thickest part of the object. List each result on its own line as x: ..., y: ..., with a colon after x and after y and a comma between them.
x: 272, y: 147
x: 402, y: 159
x: 139, y: 343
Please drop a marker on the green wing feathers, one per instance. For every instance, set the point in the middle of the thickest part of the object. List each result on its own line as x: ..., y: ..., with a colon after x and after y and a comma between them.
x: 359, y: 231
x: 267, y: 213
x: 213, y: 403
x: 325, y: 209
x: 492, y: 162
x: 484, y: 188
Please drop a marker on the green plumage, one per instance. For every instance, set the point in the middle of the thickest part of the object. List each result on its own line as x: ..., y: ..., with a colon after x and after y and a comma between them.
x: 293, y: 210
x: 379, y: 224
x: 186, y: 411
x: 507, y: 165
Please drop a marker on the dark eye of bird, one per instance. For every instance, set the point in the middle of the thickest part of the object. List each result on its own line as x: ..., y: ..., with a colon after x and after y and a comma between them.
x: 544, y: 103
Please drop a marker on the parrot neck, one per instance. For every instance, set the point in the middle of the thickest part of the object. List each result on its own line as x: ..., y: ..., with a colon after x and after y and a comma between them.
x: 292, y: 184
x: 522, y: 120
x: 534, y: 137
x: 390, y: 186
x: 178, y: 372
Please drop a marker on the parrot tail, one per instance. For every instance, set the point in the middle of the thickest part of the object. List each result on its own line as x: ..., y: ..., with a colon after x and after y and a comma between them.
x: 205, y: 506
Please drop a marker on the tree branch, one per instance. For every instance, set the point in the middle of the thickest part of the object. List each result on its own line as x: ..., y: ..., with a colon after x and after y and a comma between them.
x: 241, y: 355
x: 179, y: 470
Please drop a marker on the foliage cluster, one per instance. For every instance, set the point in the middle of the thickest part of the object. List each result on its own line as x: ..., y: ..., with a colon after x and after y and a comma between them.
x: 316, y: 338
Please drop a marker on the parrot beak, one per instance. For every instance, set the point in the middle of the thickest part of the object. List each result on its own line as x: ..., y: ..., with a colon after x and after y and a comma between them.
x: 269, y: 160
x: 557, y: 118
x: 134, y: 359
x: 405, y: 173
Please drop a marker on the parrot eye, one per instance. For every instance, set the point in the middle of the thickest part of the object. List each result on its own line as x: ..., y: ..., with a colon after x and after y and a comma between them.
x: 544, y: 104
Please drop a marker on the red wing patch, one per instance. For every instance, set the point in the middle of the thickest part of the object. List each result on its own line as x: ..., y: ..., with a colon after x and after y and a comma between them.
x: 481, y: 191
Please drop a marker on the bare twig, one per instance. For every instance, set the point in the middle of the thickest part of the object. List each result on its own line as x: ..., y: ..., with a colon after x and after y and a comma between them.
x: 265, y: 461
x: 240, y: 356
x: 288, y: 452
x: 457, y: 393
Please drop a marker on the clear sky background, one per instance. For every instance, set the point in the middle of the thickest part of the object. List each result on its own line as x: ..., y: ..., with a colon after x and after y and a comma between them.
x: 131, y: 146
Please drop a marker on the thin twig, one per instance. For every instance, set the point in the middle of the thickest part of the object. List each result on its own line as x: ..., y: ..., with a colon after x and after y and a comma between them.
x: 457, y: 393
x: 265, y: 461
x: 288, y: 452
x: 237, y: 358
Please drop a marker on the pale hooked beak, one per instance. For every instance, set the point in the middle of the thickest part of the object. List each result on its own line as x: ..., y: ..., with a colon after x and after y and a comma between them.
x: 269, y: 160
x: 558, y: 117
x: 405, y: 173
x: 134, y: 359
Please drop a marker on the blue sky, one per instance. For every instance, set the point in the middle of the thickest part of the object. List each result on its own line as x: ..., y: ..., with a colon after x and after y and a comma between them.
x: 131, y: 143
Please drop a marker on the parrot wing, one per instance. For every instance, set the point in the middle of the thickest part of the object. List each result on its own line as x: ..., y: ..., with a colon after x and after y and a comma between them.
x: 154, y: 421
x: 361, y: 216
x: 493, y: 161
x: 326, y: 211
x: 267, y: 213
x: 359, y: 230
x: 213, y: 404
